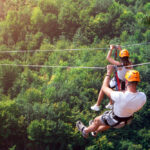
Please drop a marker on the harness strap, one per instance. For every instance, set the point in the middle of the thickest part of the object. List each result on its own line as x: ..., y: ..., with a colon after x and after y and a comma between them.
x: 118, y: 86
x: 121, y: 119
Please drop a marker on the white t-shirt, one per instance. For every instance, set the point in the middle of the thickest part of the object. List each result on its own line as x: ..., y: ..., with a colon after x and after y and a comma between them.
x: 126, y: 103
x: 121, y: 73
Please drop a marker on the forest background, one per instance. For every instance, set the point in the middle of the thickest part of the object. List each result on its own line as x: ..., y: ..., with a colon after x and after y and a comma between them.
x: 39, y: 106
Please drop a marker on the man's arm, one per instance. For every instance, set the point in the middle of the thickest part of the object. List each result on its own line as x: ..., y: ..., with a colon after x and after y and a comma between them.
x: 105, y: 86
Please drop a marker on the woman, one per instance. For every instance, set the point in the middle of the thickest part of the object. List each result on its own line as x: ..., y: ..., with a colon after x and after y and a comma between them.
x: 121, y: 71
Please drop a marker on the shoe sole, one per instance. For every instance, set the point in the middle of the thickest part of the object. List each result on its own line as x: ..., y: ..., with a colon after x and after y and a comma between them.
x: 78, y: 124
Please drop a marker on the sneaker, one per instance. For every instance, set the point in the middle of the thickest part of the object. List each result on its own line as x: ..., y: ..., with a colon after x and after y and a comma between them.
x: 92, y: 133
x: 95, y: 108
x: 80, y: 126
x: 109, y: 106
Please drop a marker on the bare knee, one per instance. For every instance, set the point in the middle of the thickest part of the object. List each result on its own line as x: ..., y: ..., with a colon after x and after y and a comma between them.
x: 97, y: 121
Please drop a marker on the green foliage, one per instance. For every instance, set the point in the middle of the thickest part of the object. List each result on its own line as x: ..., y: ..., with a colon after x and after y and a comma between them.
x: 126, y: 21
x: 147, y: 7
x: 13, y: 148
x: 15, y: 26
x: 124, y: 36
x: 8, y: 76
x: 37, y: 16
x: 27, y: 79
x: 147, y: 36
x: 98, y: 6
x: 41, y: 105
x: 36, y: 41
x: 33, y: 95
x: 68, y: 17
x: 130, y: 146
x: 10, y: 132
x: 37, y: 130
x: 79, y: 38
x: 48, y: 6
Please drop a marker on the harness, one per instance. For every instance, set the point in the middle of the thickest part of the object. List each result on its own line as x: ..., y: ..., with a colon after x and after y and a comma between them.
x: 118, y: 85
x: 121, y: 121
x: 112, y: 120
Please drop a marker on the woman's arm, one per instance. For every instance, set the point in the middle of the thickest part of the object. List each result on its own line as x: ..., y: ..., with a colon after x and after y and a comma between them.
x: 110, y: 59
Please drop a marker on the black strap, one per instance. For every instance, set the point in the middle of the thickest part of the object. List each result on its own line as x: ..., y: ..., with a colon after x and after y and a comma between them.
x: 121, y: 118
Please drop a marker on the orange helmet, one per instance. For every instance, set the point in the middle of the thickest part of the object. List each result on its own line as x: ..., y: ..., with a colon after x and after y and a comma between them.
x: 124, y: 53
x: 132, y: 75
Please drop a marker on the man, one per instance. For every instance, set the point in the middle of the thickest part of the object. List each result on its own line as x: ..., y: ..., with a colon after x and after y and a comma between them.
x: 125, y: 104
x: 124, y: 62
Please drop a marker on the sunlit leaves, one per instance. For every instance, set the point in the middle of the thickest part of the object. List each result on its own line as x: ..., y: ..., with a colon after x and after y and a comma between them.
x: 33, y: 95
x: 49, y: 6
x: 37, y: 16
x: 46, y: 102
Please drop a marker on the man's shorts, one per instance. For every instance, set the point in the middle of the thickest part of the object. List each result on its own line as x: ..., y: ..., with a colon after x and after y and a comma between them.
x: 107, y: 119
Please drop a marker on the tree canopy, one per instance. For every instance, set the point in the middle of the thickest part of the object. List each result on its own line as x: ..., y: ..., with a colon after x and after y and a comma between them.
x: 40, y: 105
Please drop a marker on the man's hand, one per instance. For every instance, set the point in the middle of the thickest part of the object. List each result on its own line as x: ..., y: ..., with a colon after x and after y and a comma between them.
x: 110, y: 69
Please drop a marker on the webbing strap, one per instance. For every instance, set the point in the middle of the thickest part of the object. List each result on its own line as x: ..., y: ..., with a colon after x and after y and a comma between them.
x: 118, y: 86
x: 118, y: 81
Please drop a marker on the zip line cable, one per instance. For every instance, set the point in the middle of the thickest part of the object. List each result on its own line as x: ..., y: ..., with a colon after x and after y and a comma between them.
x: 135, y: 65
x: 147, y: 43
x: 80, y: 67
x: 31, y: 51
x: 46, y: 66
x: 59, y: 50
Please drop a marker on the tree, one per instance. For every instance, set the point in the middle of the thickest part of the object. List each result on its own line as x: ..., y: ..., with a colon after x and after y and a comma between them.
x: 45, y: 21
x: 8, y: 76
x: 9, y: 122
x: 69, y: 17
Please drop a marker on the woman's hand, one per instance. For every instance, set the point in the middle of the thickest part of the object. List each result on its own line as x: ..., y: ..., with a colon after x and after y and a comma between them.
x: 112, y: 47
x: 119, y: 47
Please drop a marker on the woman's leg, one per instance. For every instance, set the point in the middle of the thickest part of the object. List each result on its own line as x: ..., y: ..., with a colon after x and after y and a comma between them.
x: 101, y: 93
x: 100, y: 97
x: 110, y: 101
